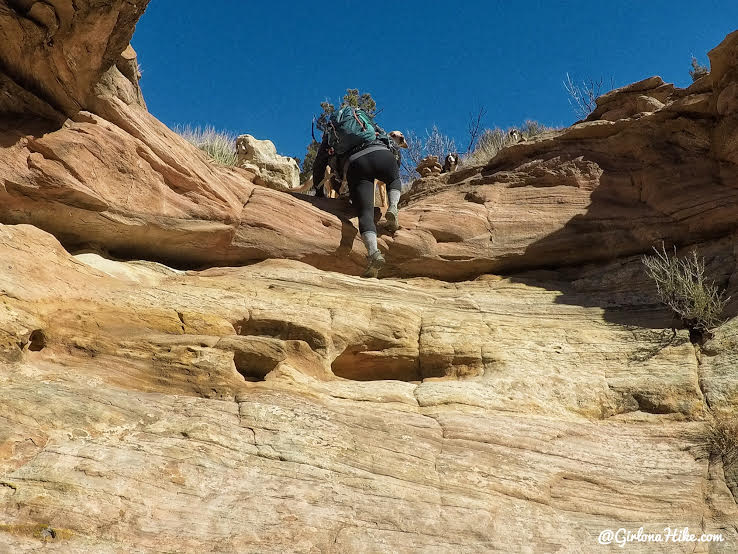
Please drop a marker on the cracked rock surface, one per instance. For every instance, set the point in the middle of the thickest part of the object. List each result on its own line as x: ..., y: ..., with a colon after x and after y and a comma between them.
x: 278, y: 407
x: 188, y: 362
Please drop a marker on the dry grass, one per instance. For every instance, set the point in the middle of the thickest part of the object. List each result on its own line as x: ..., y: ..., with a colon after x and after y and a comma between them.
x: 494, y: 140
x: 219, y: 146
x: 722, y: 439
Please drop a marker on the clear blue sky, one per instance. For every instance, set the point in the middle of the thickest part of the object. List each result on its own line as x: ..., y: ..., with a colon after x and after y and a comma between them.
x: 263, y: 67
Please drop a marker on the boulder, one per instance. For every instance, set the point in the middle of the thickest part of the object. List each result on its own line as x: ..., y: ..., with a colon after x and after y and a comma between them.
x: 429, y: 166
x: 271, y: 169
x: 648, y: 95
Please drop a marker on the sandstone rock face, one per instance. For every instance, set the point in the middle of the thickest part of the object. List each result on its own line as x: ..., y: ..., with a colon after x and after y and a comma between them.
x: 54, y: 53
x: 653, y: 163
x: 144, y: 407
x: 282, y: 407
x: 271, y: 169
x: 600, y: 189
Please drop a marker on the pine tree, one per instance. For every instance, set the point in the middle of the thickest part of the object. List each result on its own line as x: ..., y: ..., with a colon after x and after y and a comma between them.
x: 307, y: 164
x: 351, y: 98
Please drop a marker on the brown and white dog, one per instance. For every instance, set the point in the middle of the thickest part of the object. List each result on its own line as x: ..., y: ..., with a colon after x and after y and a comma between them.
x: 450, y: 163
x: 381, y: 187
x: 399, y: 139
x: 515, y: 136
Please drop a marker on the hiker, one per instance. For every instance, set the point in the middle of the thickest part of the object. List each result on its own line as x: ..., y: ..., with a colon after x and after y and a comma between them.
x: 363, y: 154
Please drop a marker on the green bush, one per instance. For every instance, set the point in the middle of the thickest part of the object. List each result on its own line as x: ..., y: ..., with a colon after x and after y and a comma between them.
x: 494, y: 140
x: 219, y: 146
x: 681, y: 285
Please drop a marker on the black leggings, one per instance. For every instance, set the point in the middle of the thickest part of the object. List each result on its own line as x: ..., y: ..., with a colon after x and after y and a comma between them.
x: 380, y: 164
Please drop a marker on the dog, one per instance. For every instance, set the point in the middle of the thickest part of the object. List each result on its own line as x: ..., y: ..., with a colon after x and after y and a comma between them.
x: 330, y: 185
x: 381, y: 188
x: 515, y: 136
x: 399, y: 139
x: 450, y: 163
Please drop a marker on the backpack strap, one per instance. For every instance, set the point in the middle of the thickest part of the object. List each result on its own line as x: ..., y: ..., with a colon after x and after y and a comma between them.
x: 358, y: 119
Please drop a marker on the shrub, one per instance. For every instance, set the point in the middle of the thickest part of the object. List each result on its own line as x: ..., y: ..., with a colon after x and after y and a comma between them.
x: 494, y: 140
x: 435, y: 143
x: 583, y: 99
x: 490, y: 143
x: 681, y: 285
x: 218, y: 145
x: 722, y: 439
x: 698, y: 71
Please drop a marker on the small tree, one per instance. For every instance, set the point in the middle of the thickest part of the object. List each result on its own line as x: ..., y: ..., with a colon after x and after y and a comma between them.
x: 681, y: 285
x: 307, y: 163
x: 351, y: 98
x: 583, y: 99
x: 474, y: 128
x: 438, y: 144
x: 698, y: 71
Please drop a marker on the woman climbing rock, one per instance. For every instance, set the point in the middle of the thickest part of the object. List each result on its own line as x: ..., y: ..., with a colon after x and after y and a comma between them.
x: 362, y: 154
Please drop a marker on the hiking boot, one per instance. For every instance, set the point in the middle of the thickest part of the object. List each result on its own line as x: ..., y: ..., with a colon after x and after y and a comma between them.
x: 391, y: 217
x: 376, y: 261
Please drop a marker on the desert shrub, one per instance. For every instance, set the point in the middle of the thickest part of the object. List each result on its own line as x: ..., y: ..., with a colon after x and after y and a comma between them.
x: 698, y: 70
x: 493, y: 140
x: 532, y: 128
x: 489, y: 144
x: 218, y: 145
x: 583, y: 98
x: 722, y: 439
x: 435, y: 143
x: 682, y: 286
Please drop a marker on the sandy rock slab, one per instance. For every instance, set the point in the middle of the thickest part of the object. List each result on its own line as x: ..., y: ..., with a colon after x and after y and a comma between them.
x: 109, y: 469
x: 278, y: 407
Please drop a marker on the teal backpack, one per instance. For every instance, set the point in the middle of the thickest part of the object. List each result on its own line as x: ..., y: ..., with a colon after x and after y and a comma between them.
x: 348, y: 128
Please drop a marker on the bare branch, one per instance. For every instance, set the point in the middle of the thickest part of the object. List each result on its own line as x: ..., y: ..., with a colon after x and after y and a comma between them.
x: 583, y: 99
x: 474, y: 127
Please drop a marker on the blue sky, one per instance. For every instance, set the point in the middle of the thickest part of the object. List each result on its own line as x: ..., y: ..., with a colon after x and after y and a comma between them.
x: 264, y: 67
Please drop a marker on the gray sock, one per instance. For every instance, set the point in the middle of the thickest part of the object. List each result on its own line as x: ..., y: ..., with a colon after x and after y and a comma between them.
x: 370, y: 241
x: 394, y: 198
